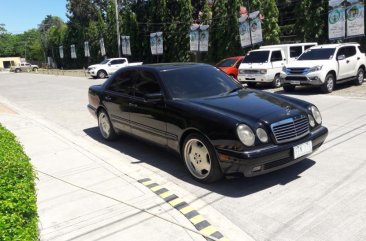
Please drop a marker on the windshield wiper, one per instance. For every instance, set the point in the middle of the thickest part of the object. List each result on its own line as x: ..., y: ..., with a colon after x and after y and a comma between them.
x: 234, y: 90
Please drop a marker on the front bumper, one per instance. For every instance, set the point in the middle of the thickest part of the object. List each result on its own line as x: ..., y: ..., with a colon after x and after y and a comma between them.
x: 92, y: 110
x: 269, y: 158
x: 257, y: 78
x: 309, y: 79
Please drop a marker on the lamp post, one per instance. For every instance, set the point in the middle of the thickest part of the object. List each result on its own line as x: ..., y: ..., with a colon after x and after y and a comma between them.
x: 117, y: 26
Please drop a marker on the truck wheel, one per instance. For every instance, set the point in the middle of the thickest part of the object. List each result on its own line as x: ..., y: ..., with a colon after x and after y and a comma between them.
x: 328, y: 85
x: 276, y: 83
x: 288, y: 88
x: 102, y: 74
x: 17, y: 70
x: 360, y: 77
x: 251, y: 84
x: 35, y: 69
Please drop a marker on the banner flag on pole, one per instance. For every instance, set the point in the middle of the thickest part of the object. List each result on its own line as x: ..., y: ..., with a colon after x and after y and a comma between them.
x: 204, y: 36
x: 126, y: 45
x: 193, y: 38
x: 355, y: 18
x: 156, y: 43
x: 73, y: 51
x: 244, y: 31
x: 256, y: 27
x: 199, y: 37
x: 61, y: 50
x: 102, y: 47
x: 336, y: 20
x: 86, y: 49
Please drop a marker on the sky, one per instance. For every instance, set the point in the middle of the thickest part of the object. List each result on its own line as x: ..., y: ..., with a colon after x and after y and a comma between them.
x: 22, y: 15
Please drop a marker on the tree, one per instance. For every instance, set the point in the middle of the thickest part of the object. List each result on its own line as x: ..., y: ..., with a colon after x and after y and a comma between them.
x: 271, y: 30
x: 217, y: 30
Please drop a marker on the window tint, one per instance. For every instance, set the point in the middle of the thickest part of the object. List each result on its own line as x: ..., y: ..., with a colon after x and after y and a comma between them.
x: 146, y: 83
x: 238, y: 63
x: 123, y: 82
x: 361, y: 50
x: 226, y: 63
x: 350, y: 51
x: 308, y: 46
x: 314, y: 54
x: 256, y: 57
x: 117, y: 61
x: 295, y: 51
x: 341, y: 51
x: 276, y: 56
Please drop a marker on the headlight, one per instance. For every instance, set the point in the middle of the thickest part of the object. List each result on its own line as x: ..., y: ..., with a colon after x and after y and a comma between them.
x: 316, y: 114
x: 284, y: 69
x: 263, y: 71
x: 316, y: 68
x: 311, y: 120
x: 262, y: 135
x: 245, y: 135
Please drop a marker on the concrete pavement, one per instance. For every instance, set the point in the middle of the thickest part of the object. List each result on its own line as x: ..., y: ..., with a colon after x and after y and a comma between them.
x: 85, y: 192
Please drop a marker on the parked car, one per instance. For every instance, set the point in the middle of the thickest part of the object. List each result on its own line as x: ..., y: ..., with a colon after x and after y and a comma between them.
x: 230, y: 65
x: 24, y: 67
x: 264, y: 65
x: 108, y: 66
x: 216, y: 125
x: 325, y: 66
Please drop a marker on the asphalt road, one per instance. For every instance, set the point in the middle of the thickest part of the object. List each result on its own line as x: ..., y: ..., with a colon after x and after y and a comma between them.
x: 321, y: 198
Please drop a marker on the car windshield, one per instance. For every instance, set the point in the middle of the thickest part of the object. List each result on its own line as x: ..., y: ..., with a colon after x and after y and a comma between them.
x: 226, y: 63
x: 197, y: 82
x: 104, y: 61
x: 317, y: 54
x: 256, y: 57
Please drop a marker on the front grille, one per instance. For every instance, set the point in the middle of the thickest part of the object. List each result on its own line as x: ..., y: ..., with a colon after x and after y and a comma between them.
x: 297, y: 70
x: 251, y: 71
x: 299, y: 78
x: 290, y: 129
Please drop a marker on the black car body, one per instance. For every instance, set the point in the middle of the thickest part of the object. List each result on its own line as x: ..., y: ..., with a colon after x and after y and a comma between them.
x: 215, y: 124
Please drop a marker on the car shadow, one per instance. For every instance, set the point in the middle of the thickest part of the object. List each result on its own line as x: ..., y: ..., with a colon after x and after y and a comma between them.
x: 169, y: 162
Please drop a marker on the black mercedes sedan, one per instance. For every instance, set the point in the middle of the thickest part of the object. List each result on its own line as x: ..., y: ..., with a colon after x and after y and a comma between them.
x: 215, y: 124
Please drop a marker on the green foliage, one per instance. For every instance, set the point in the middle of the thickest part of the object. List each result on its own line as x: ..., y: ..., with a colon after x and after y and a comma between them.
x: 271, y: 30
x: 18, y: 210
x: 217, y: 30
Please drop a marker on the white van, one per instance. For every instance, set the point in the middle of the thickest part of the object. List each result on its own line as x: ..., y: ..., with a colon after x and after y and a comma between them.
x: 264, y: 65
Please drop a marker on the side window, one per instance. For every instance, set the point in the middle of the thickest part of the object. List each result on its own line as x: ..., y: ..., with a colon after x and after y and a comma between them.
x: 308, y: 46
x: 123, y: 82
x: 341, y: 51
x: 361, y: 50
x: 238, y: 64
x: 295, y: 51
x: 350, y: 51
x: 117, y: 61
x: 276, y: 56
x: 146, y: 83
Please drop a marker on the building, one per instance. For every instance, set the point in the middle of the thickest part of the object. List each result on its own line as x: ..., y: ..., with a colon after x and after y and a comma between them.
x: 6, y: 62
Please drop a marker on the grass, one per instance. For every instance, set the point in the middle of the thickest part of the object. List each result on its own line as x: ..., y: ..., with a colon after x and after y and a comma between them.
x: 18, y: 210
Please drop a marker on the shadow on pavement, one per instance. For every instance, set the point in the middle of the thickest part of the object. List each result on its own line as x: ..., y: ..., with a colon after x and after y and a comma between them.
x: 170, y: 163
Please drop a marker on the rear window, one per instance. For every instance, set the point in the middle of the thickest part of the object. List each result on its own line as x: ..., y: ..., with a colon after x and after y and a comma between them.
x: 295, y: 51
x: 226, y: 63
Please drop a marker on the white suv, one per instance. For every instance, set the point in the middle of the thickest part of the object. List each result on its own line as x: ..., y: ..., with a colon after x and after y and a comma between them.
x: 325, y: 66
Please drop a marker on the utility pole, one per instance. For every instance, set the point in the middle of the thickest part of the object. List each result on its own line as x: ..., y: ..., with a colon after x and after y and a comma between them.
x: 250, y: 27
x: 117, y: 26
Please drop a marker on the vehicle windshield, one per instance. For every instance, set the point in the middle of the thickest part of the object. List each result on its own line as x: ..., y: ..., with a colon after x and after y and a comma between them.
x: 197, y: 82
x: 317, y: 54
x: 256, y: 57
x: 226, y: 63
x: 104, y: 61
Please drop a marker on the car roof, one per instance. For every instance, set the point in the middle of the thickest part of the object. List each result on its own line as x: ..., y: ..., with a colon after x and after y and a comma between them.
x: 161, y: 67
x: 235, y: 57
x: 334, y: 45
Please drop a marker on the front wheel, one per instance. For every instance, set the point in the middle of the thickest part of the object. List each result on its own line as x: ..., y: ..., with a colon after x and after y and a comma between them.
x: 102, y: 74
x: 17, y: 70
x: 105, y: 126
x: 276, y: 83
x: 360, y: 77
x: 200, y: 159
x: 328, y: 85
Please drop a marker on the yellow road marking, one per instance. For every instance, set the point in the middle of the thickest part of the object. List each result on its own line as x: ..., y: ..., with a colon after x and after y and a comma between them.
x: 208, y: 230
x: 197, y: 219
x: 147, y: 183
x: 154, y: 189
x: 186, y: 210
x: 175, y: 201
x: 166, y: 194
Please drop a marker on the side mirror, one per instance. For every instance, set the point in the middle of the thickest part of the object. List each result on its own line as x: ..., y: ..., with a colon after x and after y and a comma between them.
x: 109, y: 64
x: 154, y: 97
x: 341, y: 57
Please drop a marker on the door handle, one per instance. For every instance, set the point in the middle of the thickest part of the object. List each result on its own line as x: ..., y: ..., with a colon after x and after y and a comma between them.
x: 132, y: 105
x: 347, y: 61
x: 108, y: 98
x: 358, y: 58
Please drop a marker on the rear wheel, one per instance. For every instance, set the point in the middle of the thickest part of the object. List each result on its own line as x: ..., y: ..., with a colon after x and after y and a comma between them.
x: 276, y: 83
x: 200, y: 159
x: 102, y: 74
x: 105, y: 126
x: 328, y: 85
x: 289, y: 88
x: 17, y: 70
x: 360, y: 77
x: 251, y: 84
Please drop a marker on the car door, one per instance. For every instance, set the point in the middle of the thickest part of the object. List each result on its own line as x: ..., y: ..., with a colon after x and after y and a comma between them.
x: 115, y: 65
x: 351, y: 57
x: 117, y: 97
x: 148, y: 114
x: 342, y: 63
x: 277, y: 61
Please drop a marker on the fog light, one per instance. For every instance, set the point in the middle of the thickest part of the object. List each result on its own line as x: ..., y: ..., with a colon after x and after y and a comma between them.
x: 257, y: 169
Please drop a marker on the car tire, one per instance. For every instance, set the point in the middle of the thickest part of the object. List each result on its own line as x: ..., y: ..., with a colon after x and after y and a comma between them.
x: 17, y: 71
x: 251, y: 84
x: 35, y: 69
x: 360, y: 77
x: 105, y: 126
x: 200, y: 159
x: 276, y: 83
x: 288, y: 88
x: 328, y: 85
x: 102, y: 74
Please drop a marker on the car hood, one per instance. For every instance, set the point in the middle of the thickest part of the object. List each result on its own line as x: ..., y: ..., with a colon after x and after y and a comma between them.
x: 95, y: 65
x: 250, y: 106
x: 307, y: 63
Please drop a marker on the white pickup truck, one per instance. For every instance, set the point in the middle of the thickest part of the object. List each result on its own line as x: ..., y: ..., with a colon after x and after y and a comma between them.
x: 325, y: 66
x: 108, y: 66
